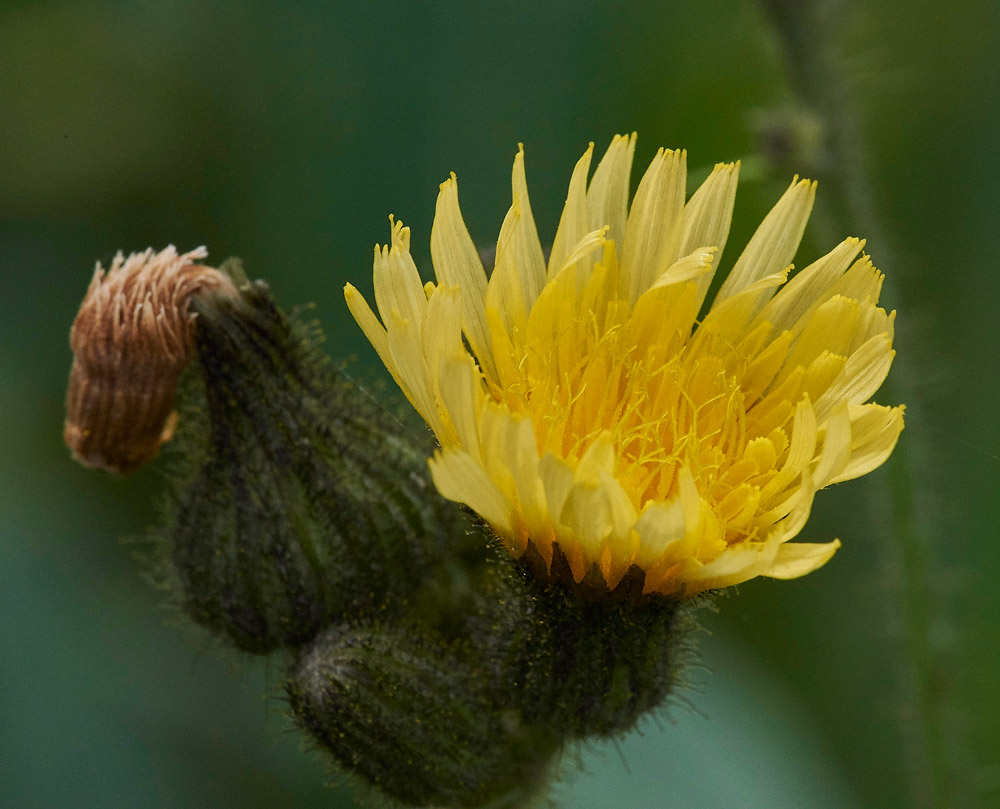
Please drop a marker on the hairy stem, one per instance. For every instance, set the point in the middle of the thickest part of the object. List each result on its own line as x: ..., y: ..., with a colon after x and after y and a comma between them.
x: 901, y: 502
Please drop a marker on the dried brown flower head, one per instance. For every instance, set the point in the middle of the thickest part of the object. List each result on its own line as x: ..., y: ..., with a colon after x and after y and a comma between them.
x: 131, y: 339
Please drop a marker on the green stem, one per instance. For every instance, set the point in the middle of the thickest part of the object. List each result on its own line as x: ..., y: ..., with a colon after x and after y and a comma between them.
x: 809, y: 35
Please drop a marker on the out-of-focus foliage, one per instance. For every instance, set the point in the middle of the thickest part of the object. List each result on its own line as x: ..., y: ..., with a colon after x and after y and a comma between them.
x: 285, y: 134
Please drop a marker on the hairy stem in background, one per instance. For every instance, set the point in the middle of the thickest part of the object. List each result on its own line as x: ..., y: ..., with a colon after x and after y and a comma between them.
x: 809, y: 34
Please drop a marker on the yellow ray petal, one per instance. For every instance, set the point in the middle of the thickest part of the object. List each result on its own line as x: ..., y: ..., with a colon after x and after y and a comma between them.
x: 836, y: 450
x: 529, y: 257
x: 796, y: 559
x: 831, y: 328
x: 660, y: 526
x: 796, y: 509
x: 662, y: 317
x: 557, y: 478
x: 457, y: 477
x: 587, y: 513
x: 690, y: 267
x: 607, y: 196
x: 872, y: 321
x: 863, y: 374
x: 519, y: 274
x: 574, y: 222
x: 731, y: 318
x: 397, y: 283
x: 875, y: 430
x: 773, y: 246
x: 462, y: 398
x: 707, y: 217
x: 861, y: 282
x: 810, y: 287
x: 800, y: 451
x: 441, y: 333
x: 655, y: 222
x: 505, y: 292
x: 365, y: 318
x: 515, y: 445
x: 406, y: 350
x: 457, y: 263
x: 732, y: 566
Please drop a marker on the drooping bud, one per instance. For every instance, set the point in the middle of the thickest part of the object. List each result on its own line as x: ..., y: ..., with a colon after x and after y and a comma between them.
x: 131, y: 339
x: 415, y: 716
x: 300, y: 500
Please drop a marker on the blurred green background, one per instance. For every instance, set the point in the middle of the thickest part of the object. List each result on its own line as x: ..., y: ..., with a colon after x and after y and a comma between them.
x: 286, y: 134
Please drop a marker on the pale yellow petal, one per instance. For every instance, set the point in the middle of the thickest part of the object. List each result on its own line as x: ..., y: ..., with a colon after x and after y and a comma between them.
x: 557, y: 478
x: 707, y: 217
x: 607, y: 196
x: 733, y: 566
x: 457, y: 477
x: 527, y: 255
x: 398, y: 287
x: 552, y: 327
x: 872, y: 321
x: 412, y: 375
x: 875, y: 430
x: 442, y: 327
x: 441, y: 336
x: 796, y: 559
x: 831, y: 328
x: 688, y: 268
x: 623, y: 513
x: 796, y: 509
x: 505, y: 293
x: 821, y: 373
x: 763, y: 368
x: 806, y: 290
x: 861, y: 282
x: 773, y: 246
x: 574, y: 223
x: 462, y: 398
x: 836, y: 450
x: 655, y: 221
x: 660, y: 526
x: 598, y: 460
x: 596, y: 506
x: 519, y: 274
x: 662, y: 318
x: 800, y: 451
x: 508, y: 372
x: 587, y: 512
x: 457, y: 263
x: 515, y: 284
x: 732, y: 318
x: 370, y: 325
x: 520, y: 455
x: 863, y: 374
x: 585, y: 249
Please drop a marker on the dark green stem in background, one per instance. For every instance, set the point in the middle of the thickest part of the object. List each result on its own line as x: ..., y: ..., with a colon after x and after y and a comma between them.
x: 810, y: 36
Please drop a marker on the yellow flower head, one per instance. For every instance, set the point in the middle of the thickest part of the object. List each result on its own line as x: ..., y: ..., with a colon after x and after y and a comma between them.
x: 588, y: 407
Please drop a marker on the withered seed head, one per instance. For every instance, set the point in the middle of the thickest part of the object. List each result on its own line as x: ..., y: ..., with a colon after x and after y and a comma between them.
x: 131, y: 339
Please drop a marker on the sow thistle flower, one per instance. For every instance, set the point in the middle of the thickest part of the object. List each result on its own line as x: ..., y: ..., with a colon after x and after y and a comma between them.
x: 582, y: 405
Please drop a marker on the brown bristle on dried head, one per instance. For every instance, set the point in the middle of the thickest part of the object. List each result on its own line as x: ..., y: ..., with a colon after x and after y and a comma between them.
x: 131, y: 339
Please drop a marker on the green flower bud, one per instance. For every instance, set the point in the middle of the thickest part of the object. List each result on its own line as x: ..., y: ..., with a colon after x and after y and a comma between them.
x: 299, y: 499
x: 419, y: 718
